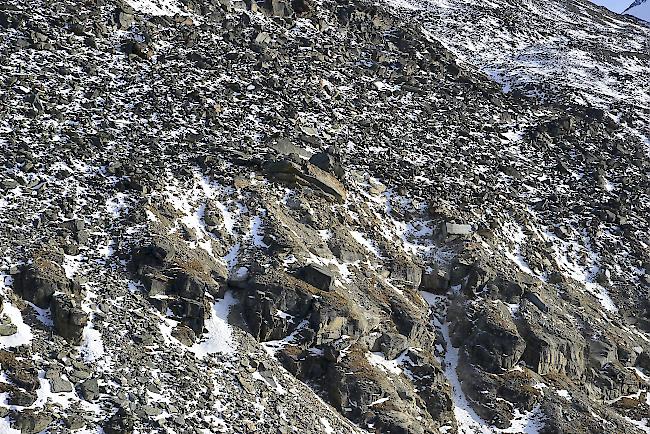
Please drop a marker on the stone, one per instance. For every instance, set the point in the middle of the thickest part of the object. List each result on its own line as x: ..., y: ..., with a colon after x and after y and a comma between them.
x: 89, y: 389
x: 31, y: 421
x: 155, y: 282
x: 435, y: 281
x: 38, y: 282
x: 306, y: 173
x: 537, y: 301
x: 59, y: 385
x: 184, y: 334
x: 329, y: 161
x: 317, y: 276
x: 391, y: 344
x: 69, y: 320
x: 124, y: 20
x: 188, y: 286
x: 8, y: 329
x: 458, y: 229
x: 489, y: 335
x: 119, y: 423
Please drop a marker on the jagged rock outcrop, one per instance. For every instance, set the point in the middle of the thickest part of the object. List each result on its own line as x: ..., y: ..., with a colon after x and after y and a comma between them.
x: 330, y: 216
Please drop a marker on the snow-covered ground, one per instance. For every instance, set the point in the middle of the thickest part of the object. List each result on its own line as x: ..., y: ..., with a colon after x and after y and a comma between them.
x: 501, y: 38
x: 219, y: 337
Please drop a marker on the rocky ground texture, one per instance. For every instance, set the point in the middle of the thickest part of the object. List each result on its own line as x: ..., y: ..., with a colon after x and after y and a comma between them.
x: 323, y: 216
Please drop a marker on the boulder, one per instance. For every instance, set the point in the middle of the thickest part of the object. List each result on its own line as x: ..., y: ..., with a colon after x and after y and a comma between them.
x: 306, y: 173
x: 119, y: 423
x: 89, y: 389
x: 32, y: 421
x: 553, y: 346
x: 317, y: 276
x: 493, y: 342
x: 435, y: 281
x: 458, y: 229
x: 68, y: 318
x: 184, y: 334
x: 37, y: 282
x: 615, y: 380
x: 274, y: 305
x: 329, y: 161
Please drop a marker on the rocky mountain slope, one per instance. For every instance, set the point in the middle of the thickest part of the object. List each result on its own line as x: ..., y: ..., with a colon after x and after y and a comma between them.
x: 323, y: 216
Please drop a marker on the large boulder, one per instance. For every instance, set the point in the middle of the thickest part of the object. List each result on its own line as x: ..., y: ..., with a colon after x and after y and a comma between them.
x: 317, y: 276
x: 330, y: 161
x: 38, y: 282
x: 553, y: 345
x: 68, y: 318
x: 305, y: 173
x: 489, y: 335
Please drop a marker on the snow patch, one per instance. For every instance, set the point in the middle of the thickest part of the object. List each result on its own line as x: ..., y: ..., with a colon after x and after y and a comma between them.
x: 156, y: 7
x: 219, y: 338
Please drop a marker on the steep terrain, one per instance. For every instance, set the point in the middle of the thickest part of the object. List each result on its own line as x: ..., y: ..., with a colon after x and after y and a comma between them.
x: 323, y: 216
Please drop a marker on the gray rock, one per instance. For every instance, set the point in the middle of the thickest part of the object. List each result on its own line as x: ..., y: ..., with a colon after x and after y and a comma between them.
x: 184, y: 334
x: 89, y: 389
x: 69, y: 320
x: 317, y: 276
x: 32, y: 422
x: 38, y: 282
x: 8, y: 329
x: 329, y: 161
x: 59, y: 385
x: 458, y: 229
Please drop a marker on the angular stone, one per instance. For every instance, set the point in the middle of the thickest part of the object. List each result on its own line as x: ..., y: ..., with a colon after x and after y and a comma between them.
x: 32, y: 422
x: 59, y: 385
x: 184, y: 334
x: 69, y: 320
x: 317, y: 276
x: 89, y: 389
x: 8, y: 329
x: 38, y: 282
x: 328, y: 161
x: 458, y: 229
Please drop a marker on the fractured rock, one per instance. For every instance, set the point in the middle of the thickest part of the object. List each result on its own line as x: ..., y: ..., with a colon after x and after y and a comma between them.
x: 69, y: 319
x: 317, y: 276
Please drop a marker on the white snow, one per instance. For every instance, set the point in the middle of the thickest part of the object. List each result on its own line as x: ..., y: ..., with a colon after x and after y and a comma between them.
x: 219, y: 337
x: 92, y: 345
x: 116, y: 205
x: 469, y: 422
x: 156, y: 7
x: 255, y: 232
x: 326, y: 424
x: 515, y: 233
x: 567, y: 255
x: 564, y: 394
x: 272, y: 347
x: 5, y: 427
x: 391, y: 366
x: 23, y: 335
x: 71, y: 265
x: 369, y: 245
x: 379, y: 401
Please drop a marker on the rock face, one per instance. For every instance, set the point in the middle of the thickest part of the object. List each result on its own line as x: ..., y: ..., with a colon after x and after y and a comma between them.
x: 69, y: 320
x: 45, y: 284
x: 306, y: 173
x: 39, y: 282
x: 174, y: 287
x: 334, y: 216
